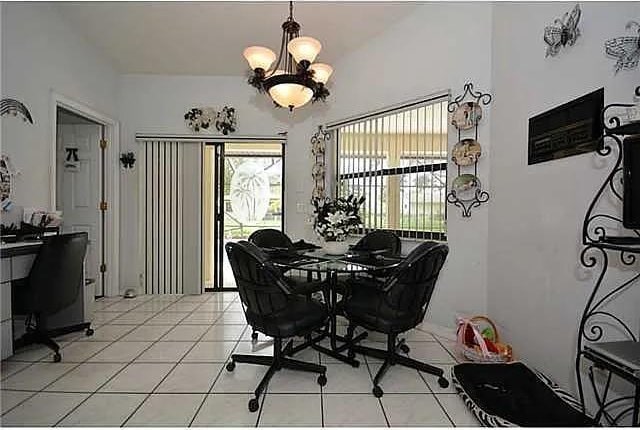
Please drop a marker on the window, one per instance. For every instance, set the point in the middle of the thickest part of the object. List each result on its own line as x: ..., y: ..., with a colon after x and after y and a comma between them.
x: 397, y: 159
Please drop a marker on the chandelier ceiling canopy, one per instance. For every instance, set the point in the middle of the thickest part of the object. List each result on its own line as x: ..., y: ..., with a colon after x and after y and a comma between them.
x: 293, y: 79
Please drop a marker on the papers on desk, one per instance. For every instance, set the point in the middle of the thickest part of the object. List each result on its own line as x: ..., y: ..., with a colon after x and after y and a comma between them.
x: 41, y: 218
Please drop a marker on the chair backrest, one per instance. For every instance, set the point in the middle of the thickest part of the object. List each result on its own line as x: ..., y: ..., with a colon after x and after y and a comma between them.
x: 410, y: 286
x: 262, y: 288
x: 380, y: 239
x: 56, y: 275
x: 270, y: 237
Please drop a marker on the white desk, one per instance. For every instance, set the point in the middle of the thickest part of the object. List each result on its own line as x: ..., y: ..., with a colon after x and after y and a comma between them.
x: 17, y: 259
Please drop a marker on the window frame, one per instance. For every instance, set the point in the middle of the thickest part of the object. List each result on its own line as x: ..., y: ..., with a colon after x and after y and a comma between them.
x: 395, y: 171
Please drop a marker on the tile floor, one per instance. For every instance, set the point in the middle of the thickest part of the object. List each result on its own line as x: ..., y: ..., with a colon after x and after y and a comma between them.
x: 159, y: 361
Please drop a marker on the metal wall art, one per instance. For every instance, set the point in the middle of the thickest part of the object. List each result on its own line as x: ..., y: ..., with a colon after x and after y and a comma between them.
x: 318, y: 149
x: 206, y: 118
x: 226, y: 120
x: 625, y: 49
x: 15, y: 108
x: 564, y: 31
x: 466, y: 113
x: 128, y: 159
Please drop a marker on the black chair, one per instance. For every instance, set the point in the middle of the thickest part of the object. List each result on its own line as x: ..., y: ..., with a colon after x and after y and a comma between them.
x: 53, y: 284
x: 398, y: 306
x: 272, y: 238
x: 280, y: 242
x: 378, y: 240
x: 273, y: 308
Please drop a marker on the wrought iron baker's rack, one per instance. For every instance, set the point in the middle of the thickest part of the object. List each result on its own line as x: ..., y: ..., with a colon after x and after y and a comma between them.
x: 599, y: 248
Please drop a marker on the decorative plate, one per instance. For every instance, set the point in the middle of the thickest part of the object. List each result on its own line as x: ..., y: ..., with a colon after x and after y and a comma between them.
x: 466, y: 116
x: 466, y: 152
x: 465, y: 187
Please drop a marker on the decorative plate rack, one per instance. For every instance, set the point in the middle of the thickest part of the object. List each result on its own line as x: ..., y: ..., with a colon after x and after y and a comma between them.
x: 318, y: 149
x: 602, y: 242
x: 466, y: 113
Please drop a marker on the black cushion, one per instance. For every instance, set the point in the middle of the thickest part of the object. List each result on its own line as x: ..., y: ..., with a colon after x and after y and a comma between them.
x: 301, y: 285
x: 299, y: 317
x: 367, y: 306
x: 512, y: 394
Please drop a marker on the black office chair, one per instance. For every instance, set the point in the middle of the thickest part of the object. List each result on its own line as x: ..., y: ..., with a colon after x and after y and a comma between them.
x: 53, y: 284
x: 273, y: 308
x: 397, y: 307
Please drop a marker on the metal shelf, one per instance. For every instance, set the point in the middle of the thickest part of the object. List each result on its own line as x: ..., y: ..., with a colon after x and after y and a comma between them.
x: 599, y: 247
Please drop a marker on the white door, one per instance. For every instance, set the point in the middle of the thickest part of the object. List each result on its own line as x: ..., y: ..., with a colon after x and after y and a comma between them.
x: 78, y: 189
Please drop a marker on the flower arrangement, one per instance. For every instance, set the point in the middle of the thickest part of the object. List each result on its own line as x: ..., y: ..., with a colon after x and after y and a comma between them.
x: 336, y: 218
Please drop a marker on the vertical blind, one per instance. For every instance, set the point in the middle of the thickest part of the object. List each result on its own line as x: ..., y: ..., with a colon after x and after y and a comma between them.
x: 397, y: 159
x: 169, y: 215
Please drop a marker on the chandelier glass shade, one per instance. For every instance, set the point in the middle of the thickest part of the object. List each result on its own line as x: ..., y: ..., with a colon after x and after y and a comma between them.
x: 293, y: 79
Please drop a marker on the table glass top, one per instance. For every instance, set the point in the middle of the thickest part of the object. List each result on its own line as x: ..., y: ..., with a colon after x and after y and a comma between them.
x: 318, y: 261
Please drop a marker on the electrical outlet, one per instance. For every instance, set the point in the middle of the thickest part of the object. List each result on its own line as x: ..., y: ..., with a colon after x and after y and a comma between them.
x: 300, y: 208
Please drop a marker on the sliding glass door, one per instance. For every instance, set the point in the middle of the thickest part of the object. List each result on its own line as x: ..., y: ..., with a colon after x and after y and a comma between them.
x: 243, y: 190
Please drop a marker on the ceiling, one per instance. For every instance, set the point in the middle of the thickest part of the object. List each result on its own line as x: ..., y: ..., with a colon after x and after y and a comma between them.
x: 207, y: 38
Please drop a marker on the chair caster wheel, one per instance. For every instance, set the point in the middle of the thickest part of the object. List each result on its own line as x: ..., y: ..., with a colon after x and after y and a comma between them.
x: 254, y: 335
x: 351, y: 355
x: 405, y: 348
x: 377, y: 391
x: 57, y: 358
x: 355, y: 364
x: 89, y: 332
x: 322, y: 380
x: 443, y: 382
x: 253, y: 405
x: 230, y: 366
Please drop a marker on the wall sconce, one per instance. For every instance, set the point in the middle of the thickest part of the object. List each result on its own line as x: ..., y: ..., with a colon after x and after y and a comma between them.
x: 128, y: 159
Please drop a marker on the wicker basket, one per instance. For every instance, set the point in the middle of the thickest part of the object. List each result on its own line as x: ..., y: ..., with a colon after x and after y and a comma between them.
x: 478, y: 351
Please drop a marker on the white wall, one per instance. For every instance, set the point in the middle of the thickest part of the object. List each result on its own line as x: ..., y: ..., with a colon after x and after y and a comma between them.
x: 41, y: 54
x: 156, y: 104
x: 440, y: 46
x: 536, y: 286
x: 389, y: 69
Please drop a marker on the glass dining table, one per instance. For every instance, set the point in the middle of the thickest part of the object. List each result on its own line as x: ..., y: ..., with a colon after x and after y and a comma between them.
x: 317, y: 262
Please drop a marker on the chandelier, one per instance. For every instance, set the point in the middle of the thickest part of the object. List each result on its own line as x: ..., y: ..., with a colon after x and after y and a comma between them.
x: 295, y: 79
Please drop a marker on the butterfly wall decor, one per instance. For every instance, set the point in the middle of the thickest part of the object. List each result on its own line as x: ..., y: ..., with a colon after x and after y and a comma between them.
x: 564, y: 31
x: 625, y: 49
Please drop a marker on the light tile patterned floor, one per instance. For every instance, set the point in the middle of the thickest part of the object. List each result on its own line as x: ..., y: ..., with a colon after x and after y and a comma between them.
x: 159, y: 361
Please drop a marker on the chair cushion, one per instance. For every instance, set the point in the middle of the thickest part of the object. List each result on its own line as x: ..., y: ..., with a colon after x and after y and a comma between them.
x: 365, y: 305
x: 299, y: 317
x: 511, y: 394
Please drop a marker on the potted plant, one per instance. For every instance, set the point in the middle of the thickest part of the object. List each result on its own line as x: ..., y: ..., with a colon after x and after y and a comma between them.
x: 335, y: 219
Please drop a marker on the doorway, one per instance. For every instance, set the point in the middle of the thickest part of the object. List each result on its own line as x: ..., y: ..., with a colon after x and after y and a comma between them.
x: 243, y: 191
x: 80, y: 187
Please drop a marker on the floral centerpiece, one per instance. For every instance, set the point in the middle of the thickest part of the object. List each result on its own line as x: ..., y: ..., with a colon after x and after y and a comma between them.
x: 335, y: 219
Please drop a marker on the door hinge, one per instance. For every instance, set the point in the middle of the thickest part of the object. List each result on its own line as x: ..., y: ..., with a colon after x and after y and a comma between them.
x: 103, y: 268
x: 103, y: 206
x: 103, y: 144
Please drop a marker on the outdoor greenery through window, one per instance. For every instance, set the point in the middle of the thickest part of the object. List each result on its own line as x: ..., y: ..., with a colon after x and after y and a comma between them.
x: 398, y: 161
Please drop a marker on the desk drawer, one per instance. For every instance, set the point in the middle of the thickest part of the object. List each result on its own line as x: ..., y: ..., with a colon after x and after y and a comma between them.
x: 5, y: 301
x: 21, y: 265
x: 5, y: 270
